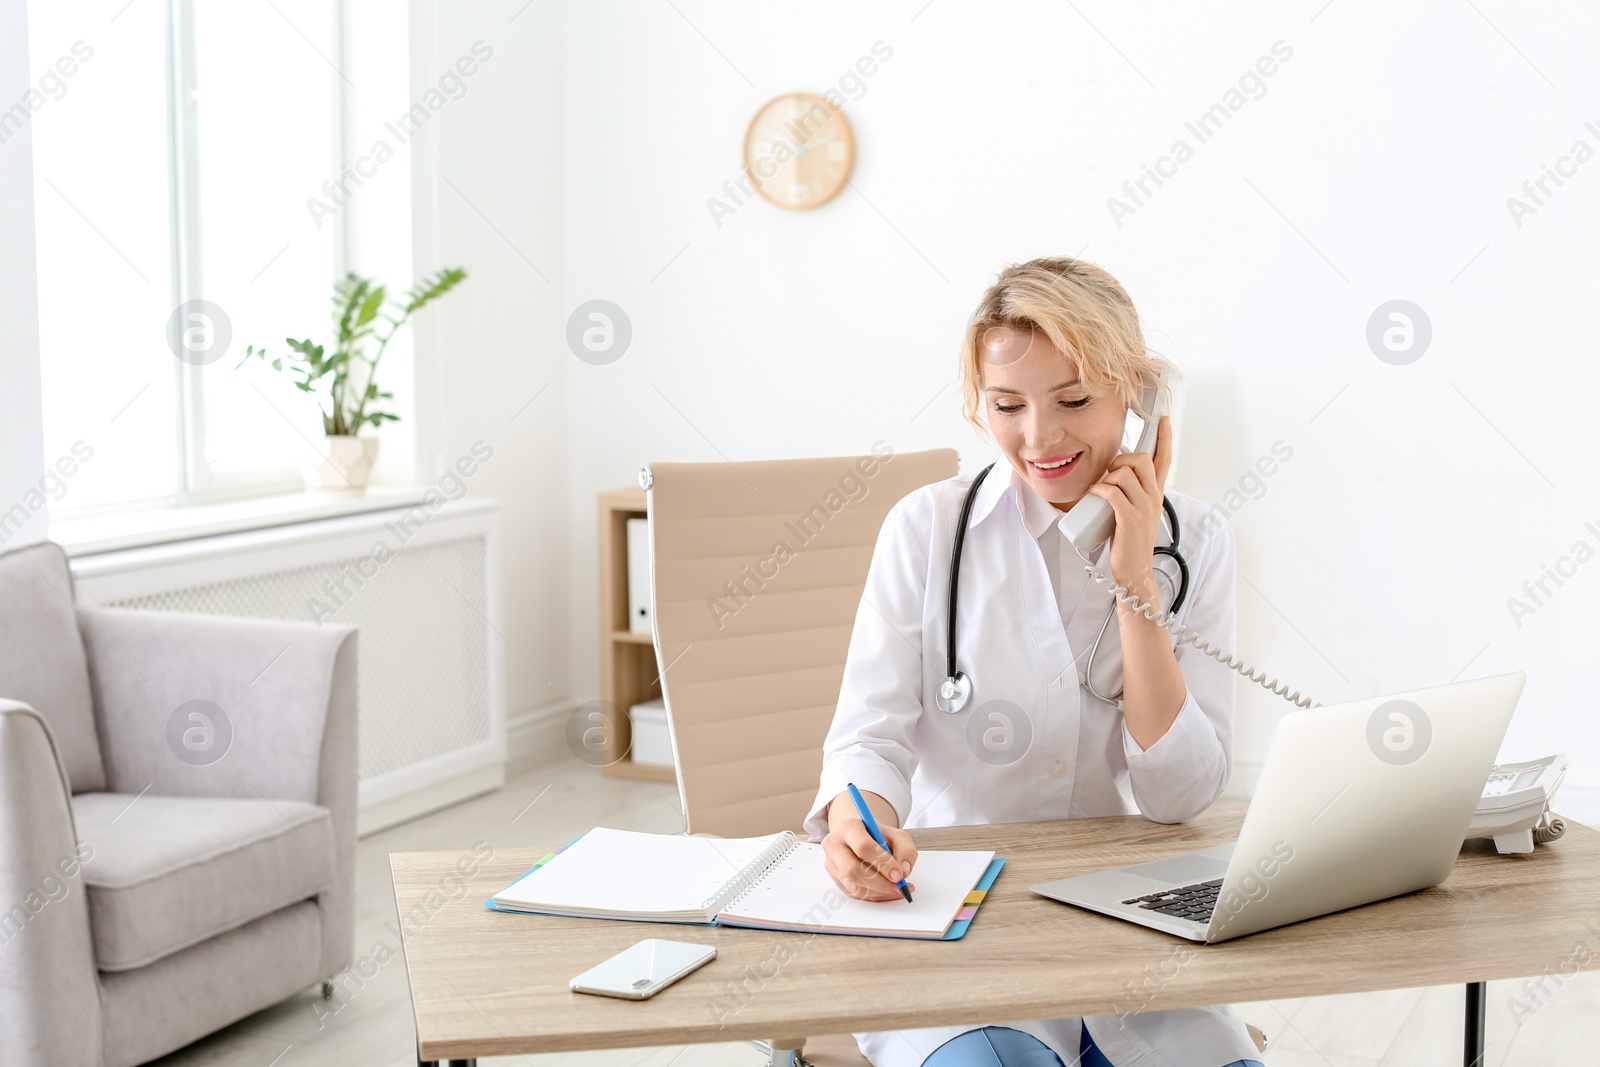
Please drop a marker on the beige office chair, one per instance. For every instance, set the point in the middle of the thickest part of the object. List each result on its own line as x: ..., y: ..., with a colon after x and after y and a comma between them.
x: 757, y: 571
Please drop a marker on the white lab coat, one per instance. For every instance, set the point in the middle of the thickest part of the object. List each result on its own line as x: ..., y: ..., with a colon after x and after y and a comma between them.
x: 889, y: 737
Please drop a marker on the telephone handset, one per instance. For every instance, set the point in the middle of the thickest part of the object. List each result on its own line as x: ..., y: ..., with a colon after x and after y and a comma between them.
x: 1515, y: 806
x: 1089, y: 523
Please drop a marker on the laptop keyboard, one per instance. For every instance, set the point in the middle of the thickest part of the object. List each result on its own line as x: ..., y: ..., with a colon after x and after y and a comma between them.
x: 1195, y: 902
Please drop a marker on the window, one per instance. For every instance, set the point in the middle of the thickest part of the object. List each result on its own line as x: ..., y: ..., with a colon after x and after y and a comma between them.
x: 175, y: 149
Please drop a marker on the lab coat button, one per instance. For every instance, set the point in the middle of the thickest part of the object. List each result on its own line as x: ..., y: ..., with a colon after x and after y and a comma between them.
x: 1056, y: 769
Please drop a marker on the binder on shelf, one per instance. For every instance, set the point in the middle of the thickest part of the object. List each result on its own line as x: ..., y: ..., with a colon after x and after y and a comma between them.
x: 639, y: 576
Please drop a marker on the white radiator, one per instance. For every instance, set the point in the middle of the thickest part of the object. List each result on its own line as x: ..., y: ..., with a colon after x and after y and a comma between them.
x: 432, y: 722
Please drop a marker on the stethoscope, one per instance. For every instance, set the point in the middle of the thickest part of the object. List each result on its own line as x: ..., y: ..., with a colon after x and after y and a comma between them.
x: 955, y: 691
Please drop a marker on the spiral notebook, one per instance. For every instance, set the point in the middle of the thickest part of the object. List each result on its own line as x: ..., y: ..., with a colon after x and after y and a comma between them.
x: 776, y: 882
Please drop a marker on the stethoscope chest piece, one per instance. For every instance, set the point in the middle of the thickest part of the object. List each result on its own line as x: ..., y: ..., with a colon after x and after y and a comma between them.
x: 954, y: 692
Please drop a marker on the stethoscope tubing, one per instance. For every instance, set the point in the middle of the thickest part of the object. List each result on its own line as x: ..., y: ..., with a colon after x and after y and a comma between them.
x: 955, y: 568
x: 1115, y: 699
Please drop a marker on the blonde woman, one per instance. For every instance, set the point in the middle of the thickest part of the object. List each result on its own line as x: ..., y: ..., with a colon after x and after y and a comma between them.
x: 1052, y: 360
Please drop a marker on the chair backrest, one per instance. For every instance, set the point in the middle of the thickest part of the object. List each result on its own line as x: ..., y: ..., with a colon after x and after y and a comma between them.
x: 42, y: 660
x: 756, y: 573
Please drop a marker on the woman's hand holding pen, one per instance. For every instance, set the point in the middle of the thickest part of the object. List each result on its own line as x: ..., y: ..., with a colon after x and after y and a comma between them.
x: 853, y: 859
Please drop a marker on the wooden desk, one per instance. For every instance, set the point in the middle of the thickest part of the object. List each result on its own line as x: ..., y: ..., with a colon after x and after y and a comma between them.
x: 488, y: 983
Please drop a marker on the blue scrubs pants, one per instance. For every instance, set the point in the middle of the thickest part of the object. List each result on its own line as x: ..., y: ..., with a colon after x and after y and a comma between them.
x: 1002, y: 1046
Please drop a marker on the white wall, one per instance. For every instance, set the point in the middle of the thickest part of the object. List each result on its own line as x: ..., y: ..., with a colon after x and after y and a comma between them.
x: 21, y: 419
x: 1377, y: 165
x: 487, y: 181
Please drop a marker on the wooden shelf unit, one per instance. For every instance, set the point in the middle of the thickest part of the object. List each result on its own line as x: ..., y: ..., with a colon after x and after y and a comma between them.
x: 628, y: 671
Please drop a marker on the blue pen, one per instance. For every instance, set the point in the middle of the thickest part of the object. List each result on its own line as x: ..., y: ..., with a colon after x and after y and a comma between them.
x: 877, y: 834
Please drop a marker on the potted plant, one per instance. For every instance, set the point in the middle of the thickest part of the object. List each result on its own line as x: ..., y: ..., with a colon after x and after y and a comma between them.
x: 345, y: 380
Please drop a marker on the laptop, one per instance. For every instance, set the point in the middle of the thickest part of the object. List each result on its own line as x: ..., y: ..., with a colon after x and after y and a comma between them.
x: 1357, y: 802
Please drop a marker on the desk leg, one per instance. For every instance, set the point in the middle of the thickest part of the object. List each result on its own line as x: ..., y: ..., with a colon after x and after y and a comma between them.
x: 1473, y: 1037
x: 783, y: 1052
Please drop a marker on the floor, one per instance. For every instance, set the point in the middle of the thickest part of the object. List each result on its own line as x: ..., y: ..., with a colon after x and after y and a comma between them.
x: 557, y: 799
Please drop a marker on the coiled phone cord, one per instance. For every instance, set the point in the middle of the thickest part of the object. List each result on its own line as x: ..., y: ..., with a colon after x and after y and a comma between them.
x: 1167, y: 622
x: 1550, y: 827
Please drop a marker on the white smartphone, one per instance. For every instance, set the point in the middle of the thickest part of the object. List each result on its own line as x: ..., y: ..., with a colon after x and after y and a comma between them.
x: 644, y: 969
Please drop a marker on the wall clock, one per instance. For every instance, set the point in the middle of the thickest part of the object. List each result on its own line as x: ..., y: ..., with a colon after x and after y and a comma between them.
x: 798, y: 151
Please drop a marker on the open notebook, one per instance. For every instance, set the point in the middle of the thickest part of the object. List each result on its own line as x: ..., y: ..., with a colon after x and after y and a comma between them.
x: 776, y: 882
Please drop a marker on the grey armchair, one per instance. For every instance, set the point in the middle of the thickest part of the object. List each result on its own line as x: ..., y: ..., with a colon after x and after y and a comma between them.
x: 177, y: 819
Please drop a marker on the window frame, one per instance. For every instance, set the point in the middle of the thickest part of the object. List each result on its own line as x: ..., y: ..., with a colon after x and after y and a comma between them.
x: 196, y: 482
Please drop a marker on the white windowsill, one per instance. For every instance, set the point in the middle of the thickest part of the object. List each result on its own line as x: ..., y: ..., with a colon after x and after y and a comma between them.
x: 155, y: 526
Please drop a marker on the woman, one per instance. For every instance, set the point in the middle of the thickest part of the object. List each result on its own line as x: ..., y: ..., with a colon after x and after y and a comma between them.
x: 1052, y: 358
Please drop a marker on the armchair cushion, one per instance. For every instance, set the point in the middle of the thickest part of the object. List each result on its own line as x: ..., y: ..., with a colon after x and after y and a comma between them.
x: 170, y: 872
x: 42, y: 662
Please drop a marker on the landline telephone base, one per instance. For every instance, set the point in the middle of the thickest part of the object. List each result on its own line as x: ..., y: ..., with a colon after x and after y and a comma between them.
x: 1515, y: 807
x: 1550, y: 827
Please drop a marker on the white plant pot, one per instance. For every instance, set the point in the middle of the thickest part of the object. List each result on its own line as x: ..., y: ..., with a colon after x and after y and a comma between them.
x: 344, y: 466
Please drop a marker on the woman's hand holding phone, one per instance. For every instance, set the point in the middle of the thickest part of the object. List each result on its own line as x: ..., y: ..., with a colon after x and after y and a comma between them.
x: 1134, y: 484
x: 853, y: 859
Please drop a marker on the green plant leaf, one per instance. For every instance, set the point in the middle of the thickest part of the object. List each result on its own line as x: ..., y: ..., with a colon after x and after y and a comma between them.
x: 370, y: 306
x: 430, y: 290
x: 354, y: 294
